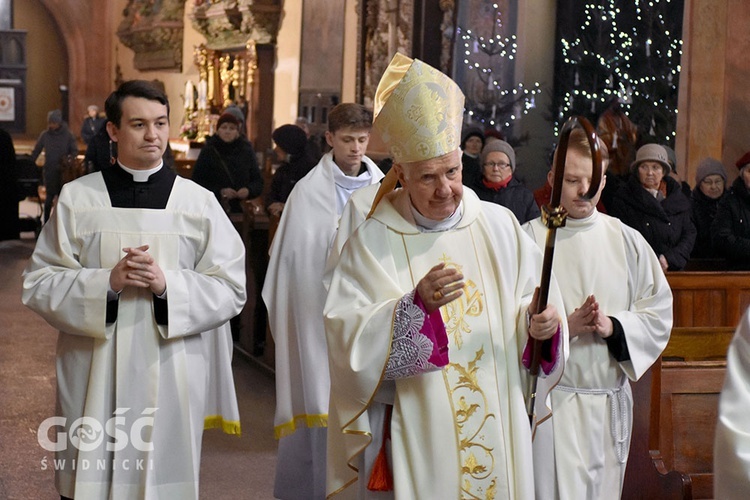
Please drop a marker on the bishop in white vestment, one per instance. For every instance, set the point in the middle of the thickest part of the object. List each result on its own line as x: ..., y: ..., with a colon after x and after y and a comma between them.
x: 427, y: 321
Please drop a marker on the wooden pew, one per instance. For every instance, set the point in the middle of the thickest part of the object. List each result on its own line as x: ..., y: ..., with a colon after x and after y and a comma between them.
x: 676, y: 406
x: 676, y: 401
x: 704, y: 299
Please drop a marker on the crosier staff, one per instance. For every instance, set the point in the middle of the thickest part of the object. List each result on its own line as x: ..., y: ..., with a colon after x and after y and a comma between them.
x: 553, y: 216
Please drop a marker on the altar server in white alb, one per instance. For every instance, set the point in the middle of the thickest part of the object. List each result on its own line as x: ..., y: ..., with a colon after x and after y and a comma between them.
x: 427, y: 318
x: 619, y: 309
x: 140, y: 270
x: 732, y: 443
x: 294, y: 295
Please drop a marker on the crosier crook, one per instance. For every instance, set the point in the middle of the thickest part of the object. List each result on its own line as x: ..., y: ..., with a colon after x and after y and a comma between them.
x: 553, y: 216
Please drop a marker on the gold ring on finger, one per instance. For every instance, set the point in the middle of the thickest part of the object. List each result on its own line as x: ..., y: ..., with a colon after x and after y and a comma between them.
x: 437, y: 295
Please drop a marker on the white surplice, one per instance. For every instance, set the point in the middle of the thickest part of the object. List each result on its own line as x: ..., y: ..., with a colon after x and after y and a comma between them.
x: 732, y: 443
x: 582, y: 451
x: 294, y: 295
x: 460, y: 431
x: 178, y: 375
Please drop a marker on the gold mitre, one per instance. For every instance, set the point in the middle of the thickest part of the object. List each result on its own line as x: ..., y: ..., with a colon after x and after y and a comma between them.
x: 418, y: 111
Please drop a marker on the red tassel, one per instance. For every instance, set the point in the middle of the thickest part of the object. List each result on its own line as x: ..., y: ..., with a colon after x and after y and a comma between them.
x: 380, y: 477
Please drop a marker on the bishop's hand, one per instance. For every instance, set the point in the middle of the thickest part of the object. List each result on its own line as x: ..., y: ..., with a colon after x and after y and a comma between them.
x: 440, y: 286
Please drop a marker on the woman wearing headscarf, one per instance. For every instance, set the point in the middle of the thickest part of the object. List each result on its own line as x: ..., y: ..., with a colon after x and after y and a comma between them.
x: 227, y: 165
x: 653, y: 203
x: 710, y: 188
x: 498, y: 185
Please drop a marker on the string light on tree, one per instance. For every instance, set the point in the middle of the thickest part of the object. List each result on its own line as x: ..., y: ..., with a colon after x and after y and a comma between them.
x: 492, y: 98
x: 624, y: 50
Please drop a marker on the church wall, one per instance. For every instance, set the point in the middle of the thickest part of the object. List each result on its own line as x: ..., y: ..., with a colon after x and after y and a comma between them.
x: 736, y: 104
x: 535, y: 63
x: 288, y: 51
x: 349, y: 73
x: 714, y: 104
x: 47, y: 63
x: 174, y: 81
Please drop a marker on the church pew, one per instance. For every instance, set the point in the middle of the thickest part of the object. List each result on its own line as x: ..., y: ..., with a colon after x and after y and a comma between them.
x: 646, y: 475
x: 676, y: 405
x: 706, y: 299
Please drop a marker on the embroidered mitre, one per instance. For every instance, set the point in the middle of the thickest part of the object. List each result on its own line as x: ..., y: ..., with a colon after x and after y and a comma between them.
x: 418, y: 111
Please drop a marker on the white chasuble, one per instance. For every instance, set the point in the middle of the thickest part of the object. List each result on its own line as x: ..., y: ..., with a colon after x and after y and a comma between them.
x: 462, y: 431
x: 582, y: 452
x: 146, y: 389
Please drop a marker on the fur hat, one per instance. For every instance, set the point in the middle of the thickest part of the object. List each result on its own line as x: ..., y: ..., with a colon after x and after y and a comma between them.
x: 54, y: 116
x: 227, y: 117
x: 501, y: 146
x: 709, y: 166
x: 652, y: 152
x: 291, y: 139
x: 744, y: 161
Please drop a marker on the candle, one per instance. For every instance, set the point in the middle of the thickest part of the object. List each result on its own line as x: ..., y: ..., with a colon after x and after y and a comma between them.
x: 189, y: 103
x: 202, y: 91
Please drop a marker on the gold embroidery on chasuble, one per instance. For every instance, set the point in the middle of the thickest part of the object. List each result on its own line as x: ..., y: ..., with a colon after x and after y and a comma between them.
x: 466, y: 377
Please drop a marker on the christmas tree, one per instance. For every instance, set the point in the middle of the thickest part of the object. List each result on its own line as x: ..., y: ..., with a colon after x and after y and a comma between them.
x: 626, y: 51
x: 484, y: 68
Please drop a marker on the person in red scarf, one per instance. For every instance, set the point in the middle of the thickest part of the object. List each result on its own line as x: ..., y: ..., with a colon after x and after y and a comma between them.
x: 497, y: 184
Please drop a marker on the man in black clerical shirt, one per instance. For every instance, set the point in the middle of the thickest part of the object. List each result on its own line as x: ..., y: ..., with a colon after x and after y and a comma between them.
x: 140, y: 271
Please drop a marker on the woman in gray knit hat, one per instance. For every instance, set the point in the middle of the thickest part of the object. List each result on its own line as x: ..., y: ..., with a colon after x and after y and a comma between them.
x: 710, y: 188
x: 498, y: 185
x: 653, y: 203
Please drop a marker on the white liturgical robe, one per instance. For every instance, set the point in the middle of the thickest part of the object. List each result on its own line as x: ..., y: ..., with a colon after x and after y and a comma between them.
x: 143, y: 390
x: 459, y: 431
x: 581, y: 452
x: 732, y: 444
x: 294, y: 295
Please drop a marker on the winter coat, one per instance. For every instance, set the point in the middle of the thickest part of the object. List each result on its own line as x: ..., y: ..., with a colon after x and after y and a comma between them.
x: 667, y: 224
x: 515, y: 196
x: 704, y: 213
x: 228, y: 165
x: 731, y: 228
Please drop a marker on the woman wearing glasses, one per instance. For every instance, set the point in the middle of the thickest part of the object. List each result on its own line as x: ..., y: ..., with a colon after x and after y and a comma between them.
x: 498, y: 185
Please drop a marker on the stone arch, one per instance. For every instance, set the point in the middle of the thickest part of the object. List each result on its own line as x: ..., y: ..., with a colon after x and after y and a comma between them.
x: 86, y: 29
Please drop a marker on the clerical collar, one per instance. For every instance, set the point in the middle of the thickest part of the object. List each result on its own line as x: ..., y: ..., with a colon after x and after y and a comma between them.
x: 348, y: 182
x: 584, y: 223
x: 141, y: 175
x: 426, y: 225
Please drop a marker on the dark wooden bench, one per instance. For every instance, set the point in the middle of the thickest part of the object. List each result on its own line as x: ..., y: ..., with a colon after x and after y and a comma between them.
x: 676, y: 401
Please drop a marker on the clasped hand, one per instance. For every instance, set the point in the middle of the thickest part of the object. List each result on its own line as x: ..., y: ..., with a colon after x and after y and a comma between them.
x: 137, y: 269
x: 590, y: 319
